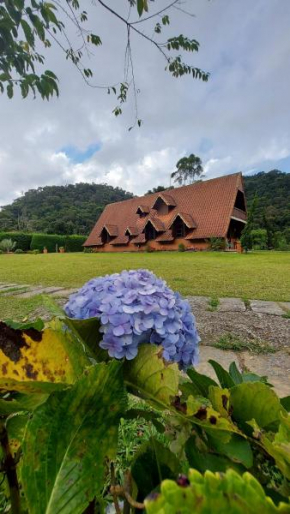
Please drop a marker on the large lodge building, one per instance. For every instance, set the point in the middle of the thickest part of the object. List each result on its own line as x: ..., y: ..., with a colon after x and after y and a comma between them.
x: 190, y: 215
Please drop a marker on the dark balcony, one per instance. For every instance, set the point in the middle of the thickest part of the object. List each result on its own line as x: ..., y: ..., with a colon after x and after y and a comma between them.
x: 239, y: 214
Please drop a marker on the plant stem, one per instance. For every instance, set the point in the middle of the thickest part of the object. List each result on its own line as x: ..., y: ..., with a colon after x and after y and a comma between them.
x: 9, y: 465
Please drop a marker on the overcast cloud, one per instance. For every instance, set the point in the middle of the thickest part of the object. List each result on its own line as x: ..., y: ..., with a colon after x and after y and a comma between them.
x: 238, y: 121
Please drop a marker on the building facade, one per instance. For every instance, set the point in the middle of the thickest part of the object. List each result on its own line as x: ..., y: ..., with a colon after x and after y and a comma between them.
x: 190, y: 215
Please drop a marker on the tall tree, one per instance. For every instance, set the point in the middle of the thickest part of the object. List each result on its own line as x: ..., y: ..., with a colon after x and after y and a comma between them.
x: 187, y: 170
x: 246, y: 237
x: 27, y: 26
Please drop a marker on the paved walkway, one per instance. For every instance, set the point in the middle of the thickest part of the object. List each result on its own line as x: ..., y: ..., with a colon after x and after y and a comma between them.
x: 256, y: 333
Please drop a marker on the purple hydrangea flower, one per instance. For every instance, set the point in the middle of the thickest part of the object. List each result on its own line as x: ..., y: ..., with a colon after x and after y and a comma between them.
x: 136, y: 307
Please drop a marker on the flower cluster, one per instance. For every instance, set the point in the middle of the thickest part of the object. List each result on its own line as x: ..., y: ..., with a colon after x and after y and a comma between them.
x: 137, y: 307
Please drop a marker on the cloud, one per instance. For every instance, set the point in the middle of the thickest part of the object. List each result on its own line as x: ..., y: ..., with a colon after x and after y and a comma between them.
x: 239, y: 120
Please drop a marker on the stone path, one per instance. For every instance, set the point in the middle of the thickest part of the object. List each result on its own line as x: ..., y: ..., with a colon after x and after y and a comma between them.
x: 256, y: 333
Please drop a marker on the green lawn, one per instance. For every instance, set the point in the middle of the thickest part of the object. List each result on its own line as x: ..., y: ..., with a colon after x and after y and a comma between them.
x: 264, y: 275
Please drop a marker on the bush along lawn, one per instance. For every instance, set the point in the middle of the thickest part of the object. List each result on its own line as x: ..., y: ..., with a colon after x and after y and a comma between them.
x: 108, y: 412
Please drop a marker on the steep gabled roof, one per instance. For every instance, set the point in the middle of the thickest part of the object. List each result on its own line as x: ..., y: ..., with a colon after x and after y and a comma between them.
x: 209, y: 203
x: 156, y: 222
x: 167, y: 199
x: 111, y: 229
x: 186, y: 218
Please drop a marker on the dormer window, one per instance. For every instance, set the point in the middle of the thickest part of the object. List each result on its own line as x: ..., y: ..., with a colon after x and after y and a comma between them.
x: 150, y: 232
x: 142, y: 210
x: 163, y: 204
x: 182, y: 224
x: 105, y: 236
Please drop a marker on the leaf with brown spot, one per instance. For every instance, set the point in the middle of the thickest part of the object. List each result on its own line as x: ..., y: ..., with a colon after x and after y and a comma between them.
x: 53, y: 355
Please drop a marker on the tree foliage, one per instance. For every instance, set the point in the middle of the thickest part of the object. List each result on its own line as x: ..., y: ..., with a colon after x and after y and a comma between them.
x: 70, y: 209
x: 30, y: 26
x: 188, y: 169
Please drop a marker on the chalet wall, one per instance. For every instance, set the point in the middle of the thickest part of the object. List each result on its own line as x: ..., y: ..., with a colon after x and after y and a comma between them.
x: 198, y: 244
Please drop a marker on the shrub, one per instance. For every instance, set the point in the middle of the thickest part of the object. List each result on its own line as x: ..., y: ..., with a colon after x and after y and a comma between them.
x: 50, y: 241
x: 74, y: 243
x: 217, y: 244
x: 1, y: 252
x: 259, y: 238
x: 149, y: 248
x: 7, y: 245
x: 181, y: 247
x: 88, y: 250
x: 34, y: 252
x: 18, y: 250
x: 22, y: 239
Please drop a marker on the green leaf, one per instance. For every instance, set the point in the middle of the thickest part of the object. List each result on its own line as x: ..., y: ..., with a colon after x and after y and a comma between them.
x: 88, y: 332
x: 140, y: 7
x: 255, y: 400
x: 68, y: 439
x: 200, y: 382
x: 286, y: 403
x: 153, y: 463
x: 238, y: 449
x: 150, y: 376
x: 27, y: 32
x: 202, y: 459
x: 21, y: 402
x: 235, y: 374
x: 214, y: 493
x: 223, y: 376
x: 37, y: 324
x: 279, y: 449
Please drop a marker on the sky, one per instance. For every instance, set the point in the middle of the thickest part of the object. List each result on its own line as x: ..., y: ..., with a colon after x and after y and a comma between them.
x: 238, y: 121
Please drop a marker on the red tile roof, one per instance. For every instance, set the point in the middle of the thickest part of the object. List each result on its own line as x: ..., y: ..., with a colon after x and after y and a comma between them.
x: 112, y: 229
x: 139, y: 239
x: 165, y: 236
x: 120, y: 240
x: 187, y: 218
x: 143, y: 208
x: 156, y: 222
x: 209, y: 203
x: 166, y: 199
x: 132, y: 230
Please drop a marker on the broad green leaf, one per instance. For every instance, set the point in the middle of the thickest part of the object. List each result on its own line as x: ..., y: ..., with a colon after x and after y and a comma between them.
x: 238, y: 449
x: 88, y: 330
x: 255, y: 400
x: 215, y: 493
x: 150, y: 376
x: 223, y: 376
x: 286, y: 403
x: 279, y: 449
x: 235, y: 373
x: 68, y: 439
x: 153, y: 463
x: 200, y: 382
x: 202, y: 459
x: 53, y: 355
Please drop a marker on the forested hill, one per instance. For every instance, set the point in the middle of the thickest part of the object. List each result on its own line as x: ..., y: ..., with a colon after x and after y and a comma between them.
x: 70, y: 209
x: 74, y: 209
x: 273, y: 192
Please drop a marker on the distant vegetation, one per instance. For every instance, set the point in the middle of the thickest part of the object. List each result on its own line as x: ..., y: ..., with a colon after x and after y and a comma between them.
x: 271, y: 219
x: 70, y: 209
x: 74, y: 209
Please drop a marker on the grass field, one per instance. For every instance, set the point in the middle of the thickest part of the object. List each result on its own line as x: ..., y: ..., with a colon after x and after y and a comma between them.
x: 264, y: 275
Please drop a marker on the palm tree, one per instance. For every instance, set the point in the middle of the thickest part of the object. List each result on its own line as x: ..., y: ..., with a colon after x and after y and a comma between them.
x: 187, y: 169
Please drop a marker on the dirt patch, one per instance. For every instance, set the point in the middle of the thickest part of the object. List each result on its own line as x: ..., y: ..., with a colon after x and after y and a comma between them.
x: 248, y: 326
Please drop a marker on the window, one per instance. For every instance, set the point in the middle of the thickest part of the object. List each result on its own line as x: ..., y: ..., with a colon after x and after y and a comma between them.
x: 150, y: 232
x: 240, y: 201
x: 179, y: 228
x: 105, y: 236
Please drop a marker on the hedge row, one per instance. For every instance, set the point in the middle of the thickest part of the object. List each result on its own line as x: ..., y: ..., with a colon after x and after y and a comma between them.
x: 23, y: 240
x: 27, y: 242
